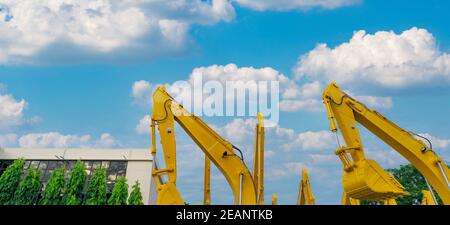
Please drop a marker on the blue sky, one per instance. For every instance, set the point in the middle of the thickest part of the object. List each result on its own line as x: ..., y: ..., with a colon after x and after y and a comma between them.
x: 60, y: 82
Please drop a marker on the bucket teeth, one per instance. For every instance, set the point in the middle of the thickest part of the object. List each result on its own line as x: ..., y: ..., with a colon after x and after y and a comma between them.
x: 369, y: 181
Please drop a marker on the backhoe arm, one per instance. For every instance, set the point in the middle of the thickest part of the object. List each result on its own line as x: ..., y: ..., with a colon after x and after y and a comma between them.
x: 347, y: 111
x: 217, y: 149
x: 305, y: 195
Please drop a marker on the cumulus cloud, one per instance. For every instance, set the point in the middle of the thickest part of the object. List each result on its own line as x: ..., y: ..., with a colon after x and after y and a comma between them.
x: 53, y: 139
x: 438, y: 143
x: 285, y: 170
x: 282, y: 5
x: 384, y: 59
x: 243, y: 131
x: 99, y: 28
x: 142, y: 92
x: 311, y: 141
x: 324, y: 158
x: 143, y: 127
x: 292, y: 96
x: 11, y: 112
x: 58, y: 140
x: 106, y: 140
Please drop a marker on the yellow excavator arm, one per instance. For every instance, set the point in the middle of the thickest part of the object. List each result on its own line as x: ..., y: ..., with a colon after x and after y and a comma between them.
x: 345, y: 200
x: 258, y: 161
x: 165, y: 112
x: 364, y: 178
x: 305, y: 195
x: 428, y: 198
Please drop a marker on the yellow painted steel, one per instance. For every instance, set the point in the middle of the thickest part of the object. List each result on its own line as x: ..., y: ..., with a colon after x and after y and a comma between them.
x: 364, y: 178
x: 207, y: 182
x: 165, y: 112
x: 274, y: 199
x: 390, y: 202
x: 349, y: 201
x: 258, y: 161
x: 305, y: 195
x: 427, y: 198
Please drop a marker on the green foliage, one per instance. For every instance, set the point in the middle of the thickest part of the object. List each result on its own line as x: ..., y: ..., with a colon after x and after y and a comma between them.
x: 135, y: 195
x: 413, y: 182
x: 119, y: 194
x: 28, y: 188
x: 97, y: 188
x: 9, y: 181
x: 53, y: 193
x: 75, y: 185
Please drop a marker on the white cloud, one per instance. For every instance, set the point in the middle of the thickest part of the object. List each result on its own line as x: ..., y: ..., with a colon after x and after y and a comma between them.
x: 58, y: 140
x: 106, y: 140
x: 385, y: 59
x: 7, y: 140
x: 324, y: 158
x: 11, y: 111
x: 376, y: 102
x: 293, y: 97
x: 311, y: 141
x: 243, y: 131
x: 438, y: 143
x: 143, y: 127
x: 282, y: 5
x: 285, y: 170
x: 101, y: 27
x: 142, y: 92
x: 53, y: 139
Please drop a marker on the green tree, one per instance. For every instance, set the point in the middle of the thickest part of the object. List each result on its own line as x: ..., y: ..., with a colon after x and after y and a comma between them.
x: 75, y: 185
x: 135, y: 195
x: 119, y: 194
x: 97, y: 188
x: 28, y: 188
x: 54, y: 192
x: 413, y: 182
x: 9, y: 181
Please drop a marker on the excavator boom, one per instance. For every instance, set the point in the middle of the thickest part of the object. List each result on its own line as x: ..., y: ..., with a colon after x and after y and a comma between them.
x: 364, y: 178
x: 305, y: 195
x: 165, y: 112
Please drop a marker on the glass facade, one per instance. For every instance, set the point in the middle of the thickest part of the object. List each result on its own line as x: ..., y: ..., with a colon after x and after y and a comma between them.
x: 113, y: 170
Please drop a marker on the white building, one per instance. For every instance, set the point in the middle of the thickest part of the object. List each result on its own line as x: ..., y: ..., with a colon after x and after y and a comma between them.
x: 134, y: 164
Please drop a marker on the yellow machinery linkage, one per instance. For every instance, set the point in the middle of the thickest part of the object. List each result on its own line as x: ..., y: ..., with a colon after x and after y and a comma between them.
x: 349, y: 201
x: 364, y: 178
x: 258, y: 161
x: 428, y: 198
x: 165, y: 112
x: 305, y: 195
x: 207, y: 182
x: 258, y: 166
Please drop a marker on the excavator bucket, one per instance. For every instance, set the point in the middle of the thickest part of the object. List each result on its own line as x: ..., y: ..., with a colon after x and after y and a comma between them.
x: 168, y: 195
x: 368, y: 181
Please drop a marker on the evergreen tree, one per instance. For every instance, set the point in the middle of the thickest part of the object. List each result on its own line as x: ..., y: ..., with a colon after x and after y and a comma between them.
x: 28, y: 188
x: 53, y: 193
x: 75, y: 185
x: 413, y: 182
x: 119, y: 194
x: 97, y: 188
x: 135, y: 195
x: 9, y: 181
